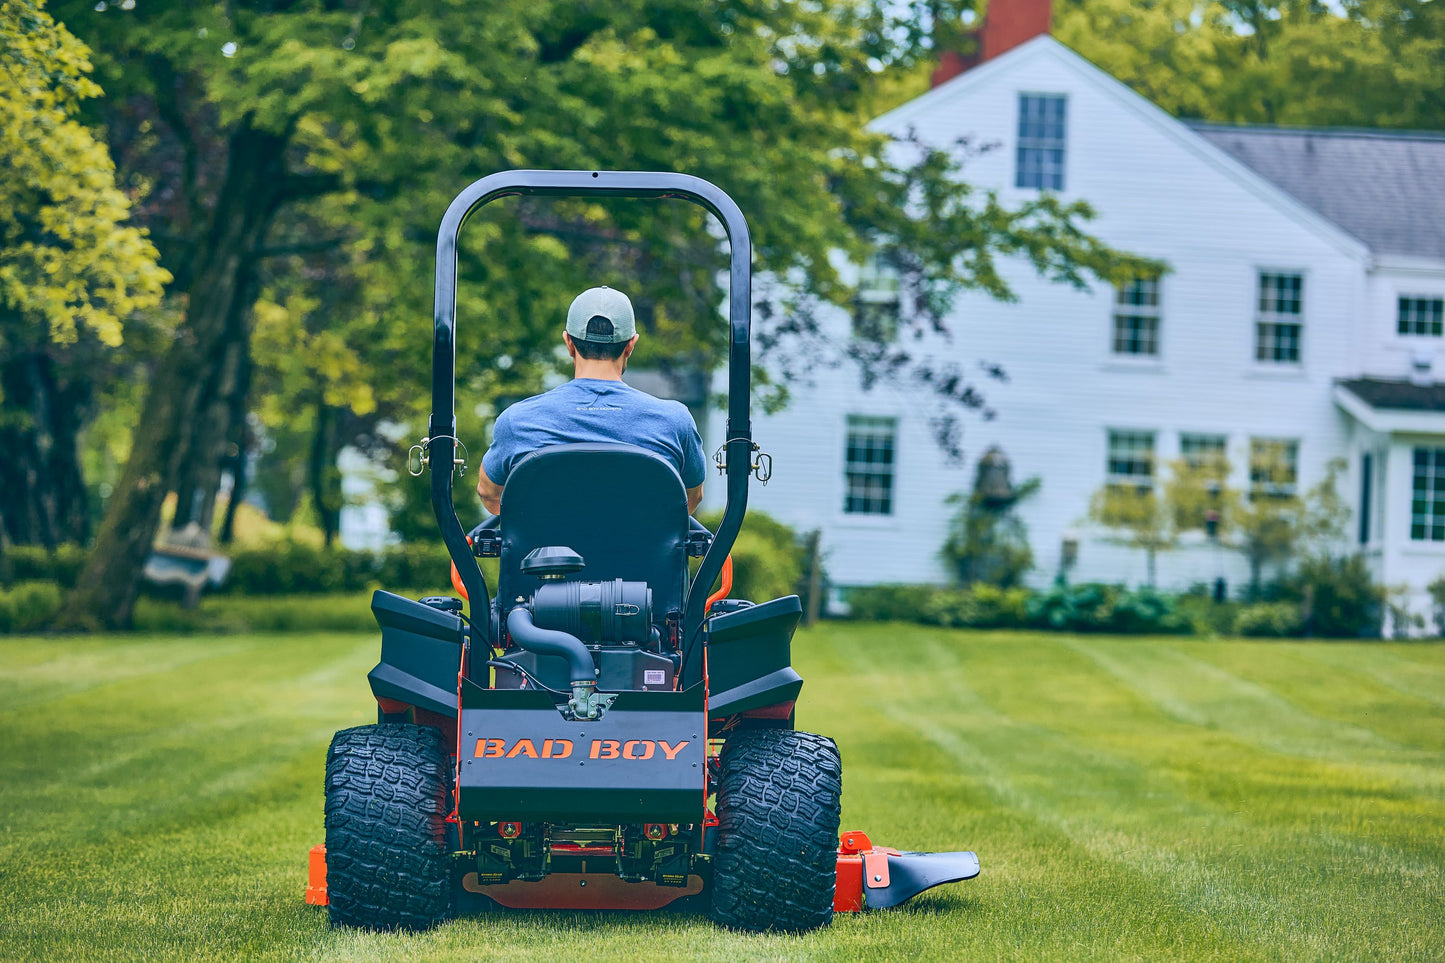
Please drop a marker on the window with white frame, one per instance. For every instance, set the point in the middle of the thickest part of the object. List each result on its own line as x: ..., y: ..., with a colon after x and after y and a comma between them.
x: 1136, y: 318
x: 1203, y: 451
x: 1279, y: 325
x: 1131, y: 458
x: 869, y: 465
x: 878, y: 304
x: 1427, y: 504
x: 1422, y: 316
x: 1273, y: 468
x: 1041, y: 144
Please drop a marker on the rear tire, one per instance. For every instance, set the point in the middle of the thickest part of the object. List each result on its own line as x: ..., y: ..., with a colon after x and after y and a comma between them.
x: 388, y: 792
x: 775, y: 866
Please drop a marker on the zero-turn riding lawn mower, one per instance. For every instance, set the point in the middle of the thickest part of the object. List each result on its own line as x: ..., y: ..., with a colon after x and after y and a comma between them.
x: 603, y: 734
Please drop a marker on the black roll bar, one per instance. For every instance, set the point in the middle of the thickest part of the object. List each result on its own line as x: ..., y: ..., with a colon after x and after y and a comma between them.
x: 443, y: 426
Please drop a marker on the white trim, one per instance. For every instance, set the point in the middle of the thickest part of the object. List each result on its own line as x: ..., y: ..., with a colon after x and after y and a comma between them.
x: 1194, y: 142
x: 1388, y: 420
x: 1407, y: 264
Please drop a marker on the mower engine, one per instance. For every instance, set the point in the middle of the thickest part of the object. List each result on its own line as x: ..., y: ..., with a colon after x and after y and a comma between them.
x: 584, y: 638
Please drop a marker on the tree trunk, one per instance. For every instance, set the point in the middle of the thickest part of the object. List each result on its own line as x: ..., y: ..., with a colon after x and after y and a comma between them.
x: 322, y: 471
x: 41, y: 485
x: 239, y: 477
x: 212, y: 433
x: 192, y: 372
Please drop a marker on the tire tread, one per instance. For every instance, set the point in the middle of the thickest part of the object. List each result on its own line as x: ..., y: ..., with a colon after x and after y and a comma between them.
x: 778, y: 801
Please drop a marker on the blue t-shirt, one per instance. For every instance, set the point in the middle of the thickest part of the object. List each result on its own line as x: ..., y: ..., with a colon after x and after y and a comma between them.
x: 587, y: 410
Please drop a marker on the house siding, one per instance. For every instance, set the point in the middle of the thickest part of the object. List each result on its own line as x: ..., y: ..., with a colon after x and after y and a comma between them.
x: 1159, y: 191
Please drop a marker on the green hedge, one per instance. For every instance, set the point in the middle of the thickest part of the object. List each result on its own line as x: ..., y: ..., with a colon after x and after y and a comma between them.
x: 1089, y: 607
x: 31, y: 563
x: 285, y: 568
x: 768, y: 559
x: 29, y: 606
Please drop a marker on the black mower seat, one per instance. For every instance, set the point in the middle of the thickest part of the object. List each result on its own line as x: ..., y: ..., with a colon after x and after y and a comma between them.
x: 622, y: 508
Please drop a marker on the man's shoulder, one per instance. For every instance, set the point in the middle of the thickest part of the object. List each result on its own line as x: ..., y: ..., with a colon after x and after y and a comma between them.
x: 543, y: 399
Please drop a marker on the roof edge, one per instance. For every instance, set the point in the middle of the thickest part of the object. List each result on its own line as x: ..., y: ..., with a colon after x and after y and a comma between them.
x: 1152, y: 113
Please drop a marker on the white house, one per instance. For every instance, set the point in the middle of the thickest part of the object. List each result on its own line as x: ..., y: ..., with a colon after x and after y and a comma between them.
x: 1301, y: 319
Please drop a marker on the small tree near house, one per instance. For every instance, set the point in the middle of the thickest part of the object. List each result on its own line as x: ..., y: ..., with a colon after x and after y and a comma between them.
x: 1137, y: 516
x: 987, y: 541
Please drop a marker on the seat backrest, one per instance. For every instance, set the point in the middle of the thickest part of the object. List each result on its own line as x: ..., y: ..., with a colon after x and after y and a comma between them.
x: 622, y: 508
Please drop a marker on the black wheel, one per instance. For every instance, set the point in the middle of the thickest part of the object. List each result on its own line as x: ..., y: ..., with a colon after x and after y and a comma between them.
x: 388, y: 792
x: 777, y: 847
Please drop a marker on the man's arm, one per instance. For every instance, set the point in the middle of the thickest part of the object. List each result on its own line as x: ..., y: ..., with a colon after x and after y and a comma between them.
x: 491, y: 492
x: 694, y: 499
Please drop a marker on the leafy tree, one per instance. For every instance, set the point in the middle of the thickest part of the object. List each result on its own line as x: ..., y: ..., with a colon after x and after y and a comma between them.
x: 1363, y: 63
x: 1139, y: 516
x: 1273, y: 524
x: 300, y: 144
x: 73, y: 273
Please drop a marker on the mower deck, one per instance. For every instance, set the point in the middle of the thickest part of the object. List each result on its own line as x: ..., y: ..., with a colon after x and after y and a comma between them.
x: 869, y: 877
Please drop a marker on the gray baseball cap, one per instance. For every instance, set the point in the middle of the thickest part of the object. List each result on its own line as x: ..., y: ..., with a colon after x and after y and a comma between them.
x: 604, y: 303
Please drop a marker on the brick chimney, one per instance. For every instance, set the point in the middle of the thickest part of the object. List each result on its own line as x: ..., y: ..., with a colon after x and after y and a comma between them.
x: 1006, y: 24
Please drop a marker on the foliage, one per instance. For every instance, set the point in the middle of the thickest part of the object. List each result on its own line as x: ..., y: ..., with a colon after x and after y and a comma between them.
x: 987, y: 541
x: 359, y: 116
x: 341, y: 612
x: 1437, y: 604
x: 768, y: 557
x: 29, y: 606
x: 73, y: 274
x: 70, y: 265
x: 1357, y: 63
x: 1139, y: 517
x: 1269, y: 620
x: 1339, y: 597
x: 286, y: 568
x: 980, y: 606
x: 1272, y: 524
x: 1094, y: 607
x: 1199, y: 497
x: 25, y: 563
x: 1088, y: 607
x: 889, y: 603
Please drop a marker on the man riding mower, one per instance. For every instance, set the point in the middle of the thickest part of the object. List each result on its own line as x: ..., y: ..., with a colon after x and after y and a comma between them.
x: 602, y: 734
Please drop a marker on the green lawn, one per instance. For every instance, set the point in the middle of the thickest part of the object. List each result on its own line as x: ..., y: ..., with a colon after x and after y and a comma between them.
x: 1128, y: 798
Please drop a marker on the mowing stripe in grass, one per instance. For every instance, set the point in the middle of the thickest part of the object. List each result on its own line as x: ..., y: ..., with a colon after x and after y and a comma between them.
x: 165, y: 816
x: 1143, y: 816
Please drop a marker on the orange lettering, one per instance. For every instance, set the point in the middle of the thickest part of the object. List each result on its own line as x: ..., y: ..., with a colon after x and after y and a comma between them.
x: 523, y: 748
x: 630, y: 752
x: 490, y: 748
x: 605, y: 749
x: 561, y: 748
x: 671, y: 751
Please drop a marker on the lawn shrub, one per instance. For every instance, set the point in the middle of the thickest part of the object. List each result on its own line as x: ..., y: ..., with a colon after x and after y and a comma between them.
x: 1437, y: 604
x: 1090, y: 607
x: 1273, y: 620
x: 289, y: 567
x: 35, y: 563
x: 220, y: 614
x: 978, y: 606
x: 28, y: 606
x: 1339, y: 597
x: 768, y: 557
x: 889, y: 603
x: 1087, y: 607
